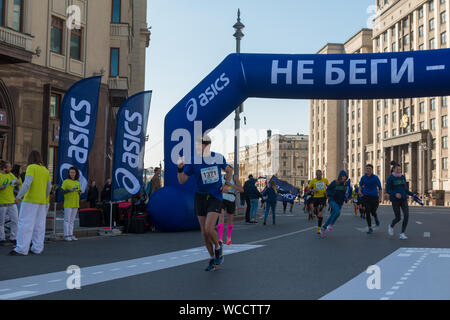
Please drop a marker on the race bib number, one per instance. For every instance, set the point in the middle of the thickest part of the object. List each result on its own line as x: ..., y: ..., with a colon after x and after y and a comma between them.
x: 320, y: 185
x: 210, y: 175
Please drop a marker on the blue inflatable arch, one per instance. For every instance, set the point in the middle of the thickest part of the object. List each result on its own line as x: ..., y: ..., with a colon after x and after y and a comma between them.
x: 241, y: 76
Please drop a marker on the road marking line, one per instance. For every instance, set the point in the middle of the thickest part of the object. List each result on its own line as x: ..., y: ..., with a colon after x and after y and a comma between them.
x: 385, y: 298
x: 173, y: 258
x: 4, y: 290
x: 418, y: 222
x: 56, y: 280
x: 444, y: 255
x: 98, y: 272
x: 123, y: 266
x: 407, y: 274
x: 400, y: 282
x: 147, y: 263
x: 395, y: 288
x: 390, y: 293
x: 115, y: 269
x: 16, y: 294
x: 30, y: 285
x: 404, y: 278
x: 404, y: 255
x: 411, y: 270
x: 281, y: 236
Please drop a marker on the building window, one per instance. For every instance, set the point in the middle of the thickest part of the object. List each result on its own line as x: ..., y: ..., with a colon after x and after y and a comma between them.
x: 17, y: 19
x: 2, y: 13
x: 443, y: 17
x: 75, y: 44
x: 421, y: 47
x: 114, y: 71
x: 431, y: 24
x: 386, y: 134
x: 55, y: 106
x: 394, y: 132
x: 406, y: 22
x: 421, y: 12
x: 394, y: 116
x: 444, y: 101
x: 445, y: 142
x: 433, y: 104
x: 422, y: 107
x: 393, y: 32
x: 406, y: 40
x: 359, y: 142
x: 116, y: 9
x: 422, y: 125
x: 421, y: 31
x: 378, y: 154
x: 379, y: 137
x: 433, y: 164
x: 432, y: 44
x: 57, y: 35
x: 444, y: 121
x: 444, y: 38
x: 433, y: 124
x: 431, y: 5
x: 386, y: 119
x: 442, y: 1
x: 359, y: 127
x: 379, y: 122
x: 52, y: 154
x: 444, y: 163
x: 378, y: 105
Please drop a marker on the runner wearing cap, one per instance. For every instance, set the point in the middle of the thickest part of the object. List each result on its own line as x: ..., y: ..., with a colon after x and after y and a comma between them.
x: 208, y: 196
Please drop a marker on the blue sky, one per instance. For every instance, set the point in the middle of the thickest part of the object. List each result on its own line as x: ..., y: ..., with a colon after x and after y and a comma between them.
x: 190, y: 38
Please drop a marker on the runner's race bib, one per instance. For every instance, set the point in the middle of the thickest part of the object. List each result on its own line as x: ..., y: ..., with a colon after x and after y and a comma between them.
x: 320, y: 185
x: 210, y: 175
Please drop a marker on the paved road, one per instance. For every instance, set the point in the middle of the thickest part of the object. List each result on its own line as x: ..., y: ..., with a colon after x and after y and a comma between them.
x: 283, y: 261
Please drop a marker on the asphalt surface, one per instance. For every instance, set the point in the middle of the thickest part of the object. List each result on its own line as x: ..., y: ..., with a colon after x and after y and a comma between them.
x: 290, y: 262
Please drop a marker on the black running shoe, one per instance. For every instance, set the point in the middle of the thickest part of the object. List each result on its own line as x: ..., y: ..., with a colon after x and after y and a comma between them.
x: 210, y: 266
x: 218, y: 256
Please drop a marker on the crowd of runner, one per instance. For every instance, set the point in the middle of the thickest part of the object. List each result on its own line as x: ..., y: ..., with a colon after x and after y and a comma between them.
x: 216, y: 196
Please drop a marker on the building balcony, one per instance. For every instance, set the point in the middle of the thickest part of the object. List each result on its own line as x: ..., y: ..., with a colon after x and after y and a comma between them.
x: 15, y: 46
x: 120, y: 30
x: 118, y: 90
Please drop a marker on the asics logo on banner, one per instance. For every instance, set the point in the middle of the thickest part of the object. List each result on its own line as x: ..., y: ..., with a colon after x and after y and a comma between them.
x: 132, y: 146
x: 206, y: 97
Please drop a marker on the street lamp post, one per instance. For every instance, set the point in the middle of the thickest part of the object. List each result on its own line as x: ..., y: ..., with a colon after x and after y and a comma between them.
x: 238, y: 26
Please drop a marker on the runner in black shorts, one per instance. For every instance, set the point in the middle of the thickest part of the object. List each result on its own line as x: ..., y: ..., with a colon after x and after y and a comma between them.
x: 208, y: 197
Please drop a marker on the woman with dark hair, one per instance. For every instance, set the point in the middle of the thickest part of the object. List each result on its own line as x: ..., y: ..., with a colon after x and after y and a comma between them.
x: 33, y: 211
x: 398, y: 191
x: 71, y: 189
x: 7, y: 201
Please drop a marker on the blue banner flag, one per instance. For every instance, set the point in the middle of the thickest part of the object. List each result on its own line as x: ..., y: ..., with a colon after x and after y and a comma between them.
x: 129, y: 146
x: 286, y: 191
x: 77, y: 131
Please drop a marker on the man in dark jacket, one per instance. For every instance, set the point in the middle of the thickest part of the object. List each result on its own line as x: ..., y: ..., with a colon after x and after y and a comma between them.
x: 337, y: 193
x: 254, y: 195
x: 247, y: 199
x: 92, y: 196
x: 106, y: 192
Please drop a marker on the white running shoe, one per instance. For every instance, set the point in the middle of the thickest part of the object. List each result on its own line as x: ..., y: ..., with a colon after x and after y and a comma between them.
x: 403, y: 236
x: 67, y: 238
x: 74, y: 238
x: 390, y: 230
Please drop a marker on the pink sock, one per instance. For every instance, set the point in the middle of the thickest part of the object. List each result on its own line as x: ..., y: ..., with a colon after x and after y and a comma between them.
x: 220, y: 228
x: 230, y: 229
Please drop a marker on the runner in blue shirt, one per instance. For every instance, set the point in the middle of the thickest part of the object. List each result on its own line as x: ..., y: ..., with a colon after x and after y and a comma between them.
x: 371, y: 196
x: 208, y: 196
